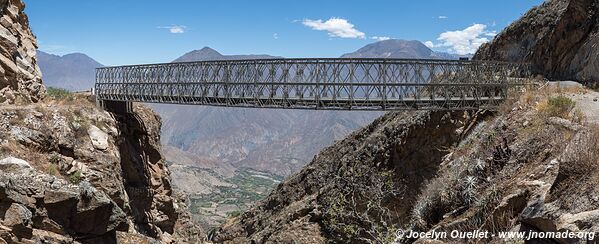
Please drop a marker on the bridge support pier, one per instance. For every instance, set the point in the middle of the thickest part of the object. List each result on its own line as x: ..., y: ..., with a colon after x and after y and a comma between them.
x: 117, y: 107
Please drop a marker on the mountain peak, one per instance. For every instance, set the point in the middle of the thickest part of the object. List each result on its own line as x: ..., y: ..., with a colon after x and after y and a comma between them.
x: 207, y: 50
x: 206, y: 53
x: 74, y: 71
x: 398, y: 48
x: 393, y: 48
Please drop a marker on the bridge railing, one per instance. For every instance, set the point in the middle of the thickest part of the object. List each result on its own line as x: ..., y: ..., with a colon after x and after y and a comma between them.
x: 365, y: 84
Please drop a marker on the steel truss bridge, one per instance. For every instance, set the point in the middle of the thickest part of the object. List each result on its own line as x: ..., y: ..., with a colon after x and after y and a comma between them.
x: 327, y: 84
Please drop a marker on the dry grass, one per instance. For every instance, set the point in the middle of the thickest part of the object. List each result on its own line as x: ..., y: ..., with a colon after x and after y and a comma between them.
x: 473, y: 166
x: 9, y: 147
x: 33, y: 156
x: 71, y: 99
x: 585, y: 157
x: 576, y: 183
x: 556, y: 106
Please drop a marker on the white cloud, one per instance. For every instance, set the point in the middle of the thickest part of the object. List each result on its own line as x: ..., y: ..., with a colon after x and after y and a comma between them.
x: 175, y: 29
x: 464, y: 41
x: 336, y: 27
x: 380, y: 38
x: 429, y: 44
x: 275, y: 36
x: 442, y: 17
x: 491, y: 33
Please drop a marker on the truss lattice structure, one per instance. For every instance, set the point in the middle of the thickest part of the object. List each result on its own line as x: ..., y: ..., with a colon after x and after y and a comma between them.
x: 336, y: 84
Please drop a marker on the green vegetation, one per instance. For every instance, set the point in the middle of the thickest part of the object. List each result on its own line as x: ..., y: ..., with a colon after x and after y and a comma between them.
x: 249, y: 187
x: 52, y: 170
x: 558, y: 106
x: 55, y: 158
x: 75, y: 178
x: 233, y: 214
x: 59, y: 93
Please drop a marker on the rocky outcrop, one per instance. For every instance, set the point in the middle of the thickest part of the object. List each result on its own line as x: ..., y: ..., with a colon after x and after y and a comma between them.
x: 377, y: 165
x: 73, y: 172
x: 559, y: 38
x: 20, y: 77
x: 42, y: 207
x: 146, y: 178
x: 525, y: 168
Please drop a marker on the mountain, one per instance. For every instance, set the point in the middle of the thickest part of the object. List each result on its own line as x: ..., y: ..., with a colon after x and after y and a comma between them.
x: 395, y: 48
x: 207, y: 53
x: 271, y: 140
x: 275, y: 141
x: 75, y: 72
x: 241, y: 153
x: 569, y: 27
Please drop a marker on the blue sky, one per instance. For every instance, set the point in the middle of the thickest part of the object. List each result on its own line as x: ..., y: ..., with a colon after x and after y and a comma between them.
x: 118, y: 32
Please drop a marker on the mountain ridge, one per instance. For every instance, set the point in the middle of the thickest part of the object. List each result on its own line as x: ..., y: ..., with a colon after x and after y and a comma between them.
x: 398, y: 48
x: 207, y: 53
x: 74, y: 71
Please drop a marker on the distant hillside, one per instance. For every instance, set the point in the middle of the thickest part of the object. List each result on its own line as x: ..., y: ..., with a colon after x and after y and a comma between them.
x: 275, y: 141
x: 75, y: 72
x: 396, y: 48
x: 207, y: 53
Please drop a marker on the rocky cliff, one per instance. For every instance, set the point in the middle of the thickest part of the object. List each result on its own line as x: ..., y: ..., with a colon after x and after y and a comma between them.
x: 559, y: 38
x: 72, y: 172
x: 20, y: 77
x: 530, y: 167
x: 376, y: 165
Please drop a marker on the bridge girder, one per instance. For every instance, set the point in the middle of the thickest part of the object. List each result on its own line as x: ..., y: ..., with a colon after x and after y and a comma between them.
x: 336, y: 84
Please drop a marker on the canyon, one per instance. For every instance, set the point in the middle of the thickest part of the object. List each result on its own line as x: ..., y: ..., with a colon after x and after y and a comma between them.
x: 71, y: 172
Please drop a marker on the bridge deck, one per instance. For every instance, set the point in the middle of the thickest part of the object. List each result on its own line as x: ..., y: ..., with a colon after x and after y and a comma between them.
x: 339, y: 84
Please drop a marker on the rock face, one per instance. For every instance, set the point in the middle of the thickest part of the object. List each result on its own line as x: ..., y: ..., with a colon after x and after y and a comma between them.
x: 559, y: 38
x: 524, y: 168
x: 20, y: 77
x: 72, y: 172
x: 380, y: 163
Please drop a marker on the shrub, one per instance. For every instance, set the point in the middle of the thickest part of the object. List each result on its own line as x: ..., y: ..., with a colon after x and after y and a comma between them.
x: 75, y: 178
x: 52, y: 170
x: 558, y: 106
x: 59, y: 93
x: 584, y: 158
x: 233, y: 214
x: 362, y: 210
x: 55, y: 158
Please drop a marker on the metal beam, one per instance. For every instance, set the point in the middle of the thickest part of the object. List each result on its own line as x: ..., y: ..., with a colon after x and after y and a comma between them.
x: 336, y: 84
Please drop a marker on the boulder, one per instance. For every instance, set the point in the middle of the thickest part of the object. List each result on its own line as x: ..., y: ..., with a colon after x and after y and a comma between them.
x: 96, y: 213
x: 98, y: 137
x: 13, y: 164
x: 18, y: 218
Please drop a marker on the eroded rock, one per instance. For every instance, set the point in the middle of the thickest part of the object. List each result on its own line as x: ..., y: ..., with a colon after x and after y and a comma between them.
x: 13, y: 164
x: 98, y: 137
x: 558, y: 38
x: 20, y: 76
